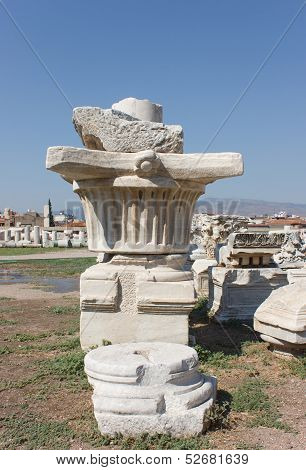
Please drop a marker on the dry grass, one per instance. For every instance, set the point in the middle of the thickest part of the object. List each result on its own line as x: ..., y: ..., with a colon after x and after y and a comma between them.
x: 46, y: 401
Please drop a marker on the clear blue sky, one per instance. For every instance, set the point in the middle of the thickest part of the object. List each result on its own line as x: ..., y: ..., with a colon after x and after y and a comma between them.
x: 194, y: 57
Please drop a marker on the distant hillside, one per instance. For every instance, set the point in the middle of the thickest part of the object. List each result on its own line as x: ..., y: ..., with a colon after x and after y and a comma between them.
x: 248, y: 207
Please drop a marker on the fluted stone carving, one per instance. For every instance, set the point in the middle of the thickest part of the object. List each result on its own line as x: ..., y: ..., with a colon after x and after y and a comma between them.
x: 207, y: 231
x: 250, y: 249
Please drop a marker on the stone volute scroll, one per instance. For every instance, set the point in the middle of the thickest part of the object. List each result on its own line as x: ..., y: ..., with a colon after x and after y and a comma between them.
x: 138, y: 191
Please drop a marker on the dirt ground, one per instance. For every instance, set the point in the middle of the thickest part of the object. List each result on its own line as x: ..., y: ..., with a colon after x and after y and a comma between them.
x: 45, y: 400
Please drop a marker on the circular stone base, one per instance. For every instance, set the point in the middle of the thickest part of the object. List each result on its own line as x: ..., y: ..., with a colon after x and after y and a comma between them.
x: 149, y: 388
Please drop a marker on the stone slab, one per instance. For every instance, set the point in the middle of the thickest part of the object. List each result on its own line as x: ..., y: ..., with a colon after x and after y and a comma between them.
x: 236, y: 293
x: 282, y: 317
x: 76, y: 164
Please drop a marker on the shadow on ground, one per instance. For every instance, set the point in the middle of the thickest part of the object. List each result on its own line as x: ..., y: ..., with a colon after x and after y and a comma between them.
x: 228, y: 337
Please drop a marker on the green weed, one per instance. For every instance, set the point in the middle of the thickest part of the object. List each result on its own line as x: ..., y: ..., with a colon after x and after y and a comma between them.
x: 5, y: 322
x: 217, y: 359
x: 64, y: 309
x: 31, y: 432
x: 146, y: 442
x: 70, y: 267
x: 251, y: 396
x: 297, y: 366
x: 5, y: 350
x: 24, y: 337
x: 67, y: 368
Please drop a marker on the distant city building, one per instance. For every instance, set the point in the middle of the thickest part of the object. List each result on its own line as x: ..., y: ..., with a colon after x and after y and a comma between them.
x: 281, y: 215
x: 29, y: 218
x: 278, y: 224
x: 10, y: 218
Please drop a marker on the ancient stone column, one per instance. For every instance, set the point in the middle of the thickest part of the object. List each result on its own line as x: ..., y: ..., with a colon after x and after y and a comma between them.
x: 17, y: 236
x: 138, y: 192
x: 44, y: 238
x: 46, y: 215
x: 144, y: 110
x: 81, y: 235
x: 54, y: 235
x: 7, y: 235
x: 36, y: 235
x: 27, y: 234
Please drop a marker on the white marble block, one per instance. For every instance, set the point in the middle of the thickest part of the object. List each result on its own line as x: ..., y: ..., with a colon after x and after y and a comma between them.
x: 7, y: 235
x: 281, y: 319
x: 296, y: 275
x: 17, y: 235
x: 209, y: 231
x: 36, y: 235
x: 45, y: 239
x: 238, y: 292
x: 149, y: 388
x: 136, y: 298
x: 54, y: 235
x: 27, y: 234
x: 144, y: 110
x: 201, y: 269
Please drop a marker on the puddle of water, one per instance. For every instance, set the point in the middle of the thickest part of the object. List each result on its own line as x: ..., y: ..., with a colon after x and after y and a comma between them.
x: 51, y: 284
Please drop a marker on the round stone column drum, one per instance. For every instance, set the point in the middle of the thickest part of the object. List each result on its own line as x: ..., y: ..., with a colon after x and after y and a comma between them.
x: 149, y: 388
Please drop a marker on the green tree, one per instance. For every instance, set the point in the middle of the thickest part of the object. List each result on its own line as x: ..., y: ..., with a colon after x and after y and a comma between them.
x: 51, y: 218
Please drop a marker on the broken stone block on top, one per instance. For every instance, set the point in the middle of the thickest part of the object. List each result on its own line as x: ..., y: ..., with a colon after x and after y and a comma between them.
x: 115, y: 130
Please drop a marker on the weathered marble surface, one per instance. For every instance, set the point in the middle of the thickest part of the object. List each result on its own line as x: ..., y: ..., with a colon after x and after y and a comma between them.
x: 293, y: 251
x: 138, y: 207
x: 238, y: 292
x: 140, y: 202
x: 143, y: 110
x: 149, y: 388
x: 201, y: 269
x: 77, y: 164
x: 136, y: 298
x: 281, y: 319
x: 207, y: 231
x: 114, y: 131
x: 250, y: 249
x: 296, y: 275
